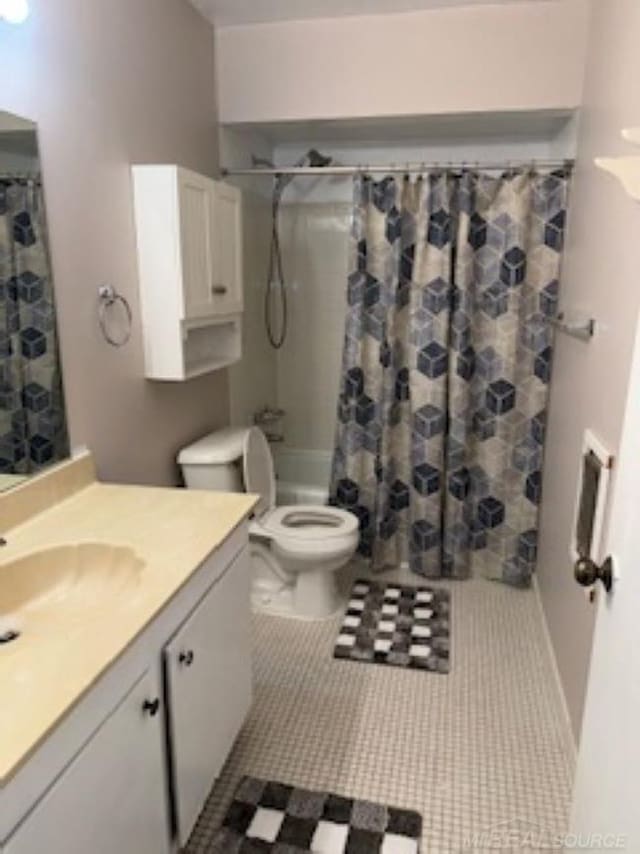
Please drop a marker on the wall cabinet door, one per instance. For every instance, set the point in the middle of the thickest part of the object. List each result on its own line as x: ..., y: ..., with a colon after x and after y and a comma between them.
x: 208, y: 672
x: 195, y: 205
x: 211, y: 245
x: 112, y: 798
x: 227, y: 252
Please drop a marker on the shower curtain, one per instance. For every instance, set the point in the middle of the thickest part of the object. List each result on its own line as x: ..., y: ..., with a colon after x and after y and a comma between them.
x: 446, y: 366
x: 32, y: 418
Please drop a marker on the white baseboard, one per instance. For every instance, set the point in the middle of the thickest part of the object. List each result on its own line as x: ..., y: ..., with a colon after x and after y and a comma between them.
x: 556, y: 672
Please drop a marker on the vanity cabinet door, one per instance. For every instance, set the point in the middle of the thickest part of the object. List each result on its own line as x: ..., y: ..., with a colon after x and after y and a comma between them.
x: 208, y: 671
x: 112, y: 797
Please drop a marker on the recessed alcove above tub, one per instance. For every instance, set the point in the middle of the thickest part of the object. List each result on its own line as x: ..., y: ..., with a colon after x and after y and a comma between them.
x: 473, y: 138
x: 486, y: 58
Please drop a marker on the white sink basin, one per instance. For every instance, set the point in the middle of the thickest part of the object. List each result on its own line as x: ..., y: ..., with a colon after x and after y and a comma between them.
x: 64, y: 585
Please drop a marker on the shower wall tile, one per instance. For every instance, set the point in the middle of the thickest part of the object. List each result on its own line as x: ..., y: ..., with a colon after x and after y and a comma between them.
x: 315, y: 253
x: 253, y: 380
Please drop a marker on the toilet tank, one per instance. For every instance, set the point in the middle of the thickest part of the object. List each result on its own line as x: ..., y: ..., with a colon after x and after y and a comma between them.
x: 215, y: 461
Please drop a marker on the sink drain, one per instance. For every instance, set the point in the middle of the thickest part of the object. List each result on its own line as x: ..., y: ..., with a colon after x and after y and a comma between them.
x: 10, y: 625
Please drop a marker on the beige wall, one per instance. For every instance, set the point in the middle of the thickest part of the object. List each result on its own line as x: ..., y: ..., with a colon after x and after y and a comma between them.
x: 601, y: 277
x: 111, y: 83
x: 520, y: 56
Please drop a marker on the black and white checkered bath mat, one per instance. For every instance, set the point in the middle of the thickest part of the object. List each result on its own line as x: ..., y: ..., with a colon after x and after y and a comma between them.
x: 273, y: 817
x: 396, y: 624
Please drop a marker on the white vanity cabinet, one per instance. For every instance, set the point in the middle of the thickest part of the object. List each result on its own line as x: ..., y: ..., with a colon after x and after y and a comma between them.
x: 129, y: 768
x: 113, y: 792
x: 189, y: 240
x: 208, y: 672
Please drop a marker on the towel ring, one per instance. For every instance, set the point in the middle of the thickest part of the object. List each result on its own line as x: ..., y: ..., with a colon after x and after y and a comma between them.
x: 108, y: 297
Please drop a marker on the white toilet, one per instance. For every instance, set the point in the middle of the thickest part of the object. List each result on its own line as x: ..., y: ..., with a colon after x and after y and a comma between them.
x: 296, y: 550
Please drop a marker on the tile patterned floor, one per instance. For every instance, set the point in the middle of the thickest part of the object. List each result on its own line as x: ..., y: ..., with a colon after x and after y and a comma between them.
x: 486, y: 744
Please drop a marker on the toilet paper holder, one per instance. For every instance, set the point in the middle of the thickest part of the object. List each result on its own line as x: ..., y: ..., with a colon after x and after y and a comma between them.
x: 589, y: 516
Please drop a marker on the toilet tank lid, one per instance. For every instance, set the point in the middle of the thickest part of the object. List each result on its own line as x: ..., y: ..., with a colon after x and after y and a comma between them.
x: 219, y: 447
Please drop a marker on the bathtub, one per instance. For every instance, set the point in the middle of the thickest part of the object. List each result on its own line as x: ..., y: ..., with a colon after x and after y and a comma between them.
x: 302, y: 475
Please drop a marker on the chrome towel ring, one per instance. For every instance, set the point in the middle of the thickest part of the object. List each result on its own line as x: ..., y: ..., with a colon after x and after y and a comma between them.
x: 108, y: 297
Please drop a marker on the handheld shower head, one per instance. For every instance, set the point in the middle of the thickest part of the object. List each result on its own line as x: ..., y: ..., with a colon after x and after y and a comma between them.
x: 317, y: 159
x: 312, y: 158
x: 261, y: 162
x: 275, y: 275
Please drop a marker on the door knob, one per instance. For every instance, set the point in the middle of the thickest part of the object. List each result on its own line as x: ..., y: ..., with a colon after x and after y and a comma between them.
x: 150, y: 707
x: 186, y: 658
x: 586, y: 572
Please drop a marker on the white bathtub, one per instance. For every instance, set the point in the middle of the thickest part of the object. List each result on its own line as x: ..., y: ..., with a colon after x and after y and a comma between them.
x: 302, y: 476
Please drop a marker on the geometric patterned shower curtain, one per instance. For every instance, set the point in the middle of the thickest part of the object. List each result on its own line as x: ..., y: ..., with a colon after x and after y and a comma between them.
x: 446, y: 366
x: 33, y: 431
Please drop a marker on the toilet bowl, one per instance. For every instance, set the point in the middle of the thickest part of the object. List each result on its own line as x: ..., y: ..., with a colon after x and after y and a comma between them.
x: 297, y: 550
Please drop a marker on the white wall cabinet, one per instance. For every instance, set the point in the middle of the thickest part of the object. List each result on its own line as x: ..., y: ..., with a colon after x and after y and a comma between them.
x: 189, y: 238
x: 208, y: 670
x: 113, y: 794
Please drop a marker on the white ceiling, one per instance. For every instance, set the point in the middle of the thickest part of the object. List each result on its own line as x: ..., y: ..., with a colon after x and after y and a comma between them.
x: 226, y: 13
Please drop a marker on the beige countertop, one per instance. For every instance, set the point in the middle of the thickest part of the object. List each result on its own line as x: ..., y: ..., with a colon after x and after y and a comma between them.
x: 171, y: 530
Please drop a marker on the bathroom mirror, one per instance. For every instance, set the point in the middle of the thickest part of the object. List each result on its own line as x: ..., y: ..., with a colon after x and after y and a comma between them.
x: 33, y: 431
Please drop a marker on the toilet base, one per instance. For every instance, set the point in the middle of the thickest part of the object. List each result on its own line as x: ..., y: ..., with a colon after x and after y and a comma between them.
x: 311, y: 594
x: 316, y: 595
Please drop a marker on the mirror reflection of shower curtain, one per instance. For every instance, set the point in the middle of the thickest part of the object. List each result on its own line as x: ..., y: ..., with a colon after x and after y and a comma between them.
x: 446, y: 365
x: 32, y: 417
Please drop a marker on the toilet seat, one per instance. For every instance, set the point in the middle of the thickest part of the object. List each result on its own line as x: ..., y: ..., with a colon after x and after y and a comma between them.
x: 309, y: 522
x: 257, y: 469
x: 300, y: 530
x: 306, y: 544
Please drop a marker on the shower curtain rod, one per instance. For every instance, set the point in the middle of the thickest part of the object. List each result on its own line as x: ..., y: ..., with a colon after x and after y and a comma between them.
x: 20, y: 176
x: 397, y: 168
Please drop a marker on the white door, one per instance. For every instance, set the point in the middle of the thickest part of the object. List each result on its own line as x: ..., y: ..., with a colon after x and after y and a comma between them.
x: 112, y: 798
x: 208, y: 670
x: 605, y: 810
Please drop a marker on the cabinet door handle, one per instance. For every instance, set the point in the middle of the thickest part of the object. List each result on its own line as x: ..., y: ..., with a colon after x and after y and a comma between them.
x: 150, y: 707
x: 186, y: 658
x: 218, y: 290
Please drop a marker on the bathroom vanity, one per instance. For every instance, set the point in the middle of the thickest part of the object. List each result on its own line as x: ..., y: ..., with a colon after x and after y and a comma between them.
x: 130, y: 676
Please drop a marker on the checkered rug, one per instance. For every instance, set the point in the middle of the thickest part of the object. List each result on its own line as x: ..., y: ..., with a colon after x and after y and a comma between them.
x: 267, y: 816
x: 396, y: 624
